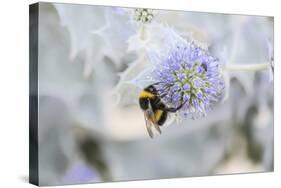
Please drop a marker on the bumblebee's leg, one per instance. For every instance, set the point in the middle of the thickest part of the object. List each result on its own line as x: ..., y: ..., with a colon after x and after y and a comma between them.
x: 158, y: 100
x: 163, y: 90
x: 174, y: 109
x: 160, y: 96
x: 157, y: 83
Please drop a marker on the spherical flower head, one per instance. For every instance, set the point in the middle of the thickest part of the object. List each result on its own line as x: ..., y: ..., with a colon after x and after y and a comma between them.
x: 143, y: 15
x: 190, y: 78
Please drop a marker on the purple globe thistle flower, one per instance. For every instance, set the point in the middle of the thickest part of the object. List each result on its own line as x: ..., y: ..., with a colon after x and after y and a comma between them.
x: 190, y: 77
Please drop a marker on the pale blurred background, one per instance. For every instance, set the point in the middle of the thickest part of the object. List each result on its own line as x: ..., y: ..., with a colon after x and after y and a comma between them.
x: 87, y: 134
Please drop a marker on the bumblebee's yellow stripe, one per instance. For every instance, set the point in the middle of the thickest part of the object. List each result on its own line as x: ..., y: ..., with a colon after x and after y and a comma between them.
x: 158, y: 115
x: 146, y: 94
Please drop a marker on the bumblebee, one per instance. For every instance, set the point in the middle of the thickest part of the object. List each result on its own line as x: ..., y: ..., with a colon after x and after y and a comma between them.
x: 155, y: 111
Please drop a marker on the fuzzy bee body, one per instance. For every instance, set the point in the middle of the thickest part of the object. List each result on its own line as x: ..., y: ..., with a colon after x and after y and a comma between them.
x: 149, y: 96
x: 155, y: 111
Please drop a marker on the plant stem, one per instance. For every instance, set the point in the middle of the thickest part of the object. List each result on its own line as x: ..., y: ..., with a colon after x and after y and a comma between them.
x: 142, y: 32
x: 247, y: 67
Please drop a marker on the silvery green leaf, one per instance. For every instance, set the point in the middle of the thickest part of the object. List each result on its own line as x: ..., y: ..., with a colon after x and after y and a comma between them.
x: 95, y: 37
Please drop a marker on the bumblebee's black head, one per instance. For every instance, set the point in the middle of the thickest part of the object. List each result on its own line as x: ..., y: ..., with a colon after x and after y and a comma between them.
x: 151, y: 89
x: 147, y: 95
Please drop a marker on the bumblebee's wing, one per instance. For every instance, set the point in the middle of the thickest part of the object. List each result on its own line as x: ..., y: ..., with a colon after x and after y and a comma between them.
x: 153, y: 119
x: 148, y: 125
x: 157, y: 128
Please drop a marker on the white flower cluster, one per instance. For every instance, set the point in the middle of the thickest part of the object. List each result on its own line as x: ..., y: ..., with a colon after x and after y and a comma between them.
x: 143, y: 15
